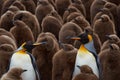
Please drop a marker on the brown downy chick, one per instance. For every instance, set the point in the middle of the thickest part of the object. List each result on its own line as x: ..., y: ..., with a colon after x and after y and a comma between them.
x: 5, y: 32
x: 69, y: 29
x: 61, y: 6
x: 113, y: 9
x: 6, y: 5
x: 81, y: 21
x: 21, y: 32
x: 13, y: 74
x: 113, y: 38
x: 86, y: 74
x: 6, y: 20
x: 69, y: 11
x: 79, y: 5
x: 6, y: 51
x: 14, y: 9
x: 96, y: 6
x: 103, y: 11
x: 51, y: 24
x: 18, y: 4
x: 56, y: 15
x: 110, y: 62
x: 73, y: 16
x: 44, y: 54
x: 4, y: 39
x: 29, y: 5
x: 63, y: 63
x: 43, y: 8
x: 30, y: 20
x: 87, y: 4
x: 104, y: 26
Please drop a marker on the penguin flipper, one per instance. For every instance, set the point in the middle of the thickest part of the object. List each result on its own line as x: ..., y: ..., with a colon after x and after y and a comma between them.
x: 98, y: 63
x: 34, y: 65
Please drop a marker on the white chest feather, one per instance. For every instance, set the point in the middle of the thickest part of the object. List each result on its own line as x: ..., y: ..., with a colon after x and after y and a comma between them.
x: 85, y: 58
x: 23, y: 61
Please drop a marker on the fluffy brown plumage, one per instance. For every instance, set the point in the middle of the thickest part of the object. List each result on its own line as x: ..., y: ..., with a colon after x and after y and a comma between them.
x: 21, y: 32
x: 6, y: 20
x: 113, y: 9
x: 103, y: 11
x: 35, y: 1
x: 14, y: 9
x: 1, y: 5
x: 61, y: 6
x: 63, y: 63
x: 13, y: 74
x: 18, y: 4
x: 118, y: 16
x: 43, y: 8
x: 4, y: 39
x: 104, y: 26
x: 87, y: 4
x: 44, y: 54
x: 112, y: 39
x: 117, y: 2
x: 68, y: 30
x: 110, y: 62
x: 6, y: 5
x: 69, y: 11
x: 73, y: 16
x: 6, y: 51
x: 79, y: 5
x: 56, y: 15
x: 29, y: 5
x: 51, y: 24
x: 30, y: 20
x: 95, y: 8
x: 5, y: 32
x: 86, y: 74
x: 82, y: 22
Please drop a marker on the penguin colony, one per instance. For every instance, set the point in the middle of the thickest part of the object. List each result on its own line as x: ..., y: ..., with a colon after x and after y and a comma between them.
x: 59, y: 40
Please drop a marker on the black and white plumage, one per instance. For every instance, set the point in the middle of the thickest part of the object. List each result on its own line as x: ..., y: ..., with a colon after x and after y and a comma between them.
x: 24, y: 59
x: 87, y: 55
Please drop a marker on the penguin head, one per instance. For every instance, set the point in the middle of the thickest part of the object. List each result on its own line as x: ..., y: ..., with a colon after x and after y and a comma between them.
x: 85, y: 69
x: 84, y: 37
x: 16, y: 71
x: 28, y: 46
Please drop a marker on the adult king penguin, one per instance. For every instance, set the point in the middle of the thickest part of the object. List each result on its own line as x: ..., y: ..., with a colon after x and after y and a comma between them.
x: 24, y: 59
x: 86, y: 54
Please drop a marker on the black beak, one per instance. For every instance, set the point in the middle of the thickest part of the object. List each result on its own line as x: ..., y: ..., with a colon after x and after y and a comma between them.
x: 78, y: 66
x: 24, y: 70
x: 35, y: 44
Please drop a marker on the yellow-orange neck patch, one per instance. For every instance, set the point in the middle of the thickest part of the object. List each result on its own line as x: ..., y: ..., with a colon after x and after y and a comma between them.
x: 23, y: 51
x: 82, y: 49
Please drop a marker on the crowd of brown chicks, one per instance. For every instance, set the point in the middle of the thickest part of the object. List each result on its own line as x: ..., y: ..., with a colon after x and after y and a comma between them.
x: 53, y: 21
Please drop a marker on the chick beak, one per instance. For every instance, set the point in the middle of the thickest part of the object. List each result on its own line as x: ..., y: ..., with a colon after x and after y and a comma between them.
x: 36, y: 44
x: 78, y: 66
x: 108, y: 37
x: 75, y: 38
x: 24, y: 70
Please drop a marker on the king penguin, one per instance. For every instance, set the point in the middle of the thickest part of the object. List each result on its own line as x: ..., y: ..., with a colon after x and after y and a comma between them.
x: 24, y: 59
x: 86, y: 55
